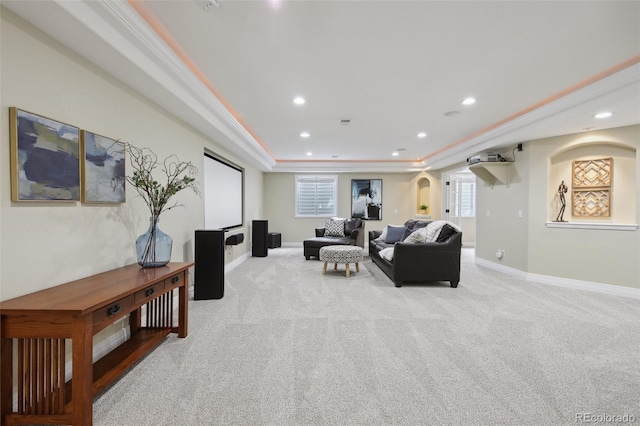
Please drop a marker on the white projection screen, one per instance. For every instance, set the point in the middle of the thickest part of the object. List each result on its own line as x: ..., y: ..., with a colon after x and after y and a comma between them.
x: 223, y: 194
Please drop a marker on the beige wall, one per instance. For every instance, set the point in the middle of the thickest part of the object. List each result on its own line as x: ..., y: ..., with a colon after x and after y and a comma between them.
x: 498, y: 225
x: 601, y: 256
x: 45, y: 244
x: 399, y: 195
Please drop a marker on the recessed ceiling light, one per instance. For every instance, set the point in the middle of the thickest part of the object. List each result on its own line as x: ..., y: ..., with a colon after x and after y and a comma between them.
x: 469, y: 101
x: 305, y: 134
x: 604, y: 114
x: 395, y: 154
x: 422, y: 135
x: 210, y: 5
x: 299, y: 100
x: 451, y: 113
x: 309, y: 153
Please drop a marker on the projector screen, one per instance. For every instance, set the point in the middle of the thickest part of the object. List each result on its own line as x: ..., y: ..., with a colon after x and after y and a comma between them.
x: 223, y: 194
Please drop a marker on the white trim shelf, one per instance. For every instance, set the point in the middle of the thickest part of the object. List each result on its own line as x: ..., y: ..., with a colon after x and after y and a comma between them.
x: 592, y: 225
x: 492, y: 172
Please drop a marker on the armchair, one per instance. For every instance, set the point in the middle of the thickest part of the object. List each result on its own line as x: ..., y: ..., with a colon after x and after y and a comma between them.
x: 352, y: 234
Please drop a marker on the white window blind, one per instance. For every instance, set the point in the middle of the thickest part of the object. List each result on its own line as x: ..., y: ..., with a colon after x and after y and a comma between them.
x: 316, y: 196
x: 463, y: 196
x: 467, y: 198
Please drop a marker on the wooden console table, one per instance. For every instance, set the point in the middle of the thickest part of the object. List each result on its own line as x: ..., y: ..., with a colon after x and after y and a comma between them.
x: 35, y: 326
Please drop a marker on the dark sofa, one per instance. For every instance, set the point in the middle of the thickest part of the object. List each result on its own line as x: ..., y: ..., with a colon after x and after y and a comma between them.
x: 420, y: 262
x: 353, y: 235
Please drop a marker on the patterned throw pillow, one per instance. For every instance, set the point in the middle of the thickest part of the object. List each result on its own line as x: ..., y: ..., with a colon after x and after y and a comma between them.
x: 386, y: 254
x: 417, y: 236
x: 334, y: 228
x: 394, y: 234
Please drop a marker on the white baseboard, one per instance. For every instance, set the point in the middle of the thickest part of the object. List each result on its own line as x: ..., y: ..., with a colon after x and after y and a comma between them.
x: 235, y: 263
x: 501, y: 268
x: 292, y: 245
x: 612, y: 290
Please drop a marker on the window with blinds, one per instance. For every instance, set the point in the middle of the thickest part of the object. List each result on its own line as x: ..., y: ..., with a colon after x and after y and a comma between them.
x: 468, y: 198
x: 316, y: 196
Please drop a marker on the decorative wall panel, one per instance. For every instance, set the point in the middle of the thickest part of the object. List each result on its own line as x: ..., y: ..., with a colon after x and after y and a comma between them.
x: 592, y: 203
x: 591, y: 192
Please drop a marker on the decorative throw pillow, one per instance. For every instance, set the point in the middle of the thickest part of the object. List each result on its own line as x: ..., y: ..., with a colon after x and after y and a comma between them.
x: 420, y: 224
x: 417, y: 236
x: 334, y: 228
x: 384, y: 233
x: 394, y: 234
x: 407, y: 232
x: 386, y: 254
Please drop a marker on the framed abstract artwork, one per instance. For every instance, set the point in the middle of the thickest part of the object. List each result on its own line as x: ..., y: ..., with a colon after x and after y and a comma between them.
x: 102, y: 171
x: 366, y: 199
x: 45, y: 158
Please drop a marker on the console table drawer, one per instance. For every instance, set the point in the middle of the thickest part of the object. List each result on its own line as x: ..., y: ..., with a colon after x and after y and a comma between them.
x: 149, y: 293
x: 173, y: 282
x: 112, y: 312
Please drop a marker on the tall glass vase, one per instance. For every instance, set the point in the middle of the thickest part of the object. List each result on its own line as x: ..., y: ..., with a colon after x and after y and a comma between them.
x: 154, y: 246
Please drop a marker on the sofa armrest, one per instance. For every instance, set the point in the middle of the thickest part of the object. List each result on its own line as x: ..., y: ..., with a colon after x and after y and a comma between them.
x: 374, y: 234
x: 319, y: 232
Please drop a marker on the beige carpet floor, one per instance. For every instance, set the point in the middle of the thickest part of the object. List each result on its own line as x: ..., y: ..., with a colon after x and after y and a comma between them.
x: 289, y: 346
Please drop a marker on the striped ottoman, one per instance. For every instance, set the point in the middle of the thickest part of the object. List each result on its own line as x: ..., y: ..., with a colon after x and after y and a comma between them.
x: 341, y: 254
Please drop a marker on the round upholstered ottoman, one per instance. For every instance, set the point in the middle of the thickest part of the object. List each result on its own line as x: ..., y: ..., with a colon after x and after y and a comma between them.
x: 341, y: 254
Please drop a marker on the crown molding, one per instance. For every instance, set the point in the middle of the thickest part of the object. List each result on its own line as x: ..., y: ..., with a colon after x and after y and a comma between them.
x: 119, y: 41
x: 509, y: 131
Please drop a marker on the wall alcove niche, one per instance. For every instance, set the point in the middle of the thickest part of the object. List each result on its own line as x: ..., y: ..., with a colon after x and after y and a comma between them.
x: 622, y: 196
x: 423, y: 195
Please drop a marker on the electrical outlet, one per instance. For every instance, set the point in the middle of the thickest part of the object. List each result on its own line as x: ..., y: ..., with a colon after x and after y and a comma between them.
x: 499, y: 253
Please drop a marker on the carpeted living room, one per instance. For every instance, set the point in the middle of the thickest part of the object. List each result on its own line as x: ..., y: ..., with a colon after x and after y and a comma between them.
x: 282, y: 212
x: 287, y: 345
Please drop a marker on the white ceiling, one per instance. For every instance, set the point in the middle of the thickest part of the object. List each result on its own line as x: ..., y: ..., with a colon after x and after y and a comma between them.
x: 537, y: 69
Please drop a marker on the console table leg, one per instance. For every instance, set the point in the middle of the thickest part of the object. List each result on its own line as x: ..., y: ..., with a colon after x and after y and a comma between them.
x: 6, y: 378
x: 182, y: 310
x: 82, y: 380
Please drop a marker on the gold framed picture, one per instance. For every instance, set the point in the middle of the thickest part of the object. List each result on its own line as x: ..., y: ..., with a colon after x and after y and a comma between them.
x: 45, y: 158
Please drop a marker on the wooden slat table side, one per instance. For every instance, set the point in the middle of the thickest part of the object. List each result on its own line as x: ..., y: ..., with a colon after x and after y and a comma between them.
x: 68, y: 311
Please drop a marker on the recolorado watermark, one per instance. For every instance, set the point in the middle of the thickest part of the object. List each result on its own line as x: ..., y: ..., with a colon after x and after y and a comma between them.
x: 605, y: 418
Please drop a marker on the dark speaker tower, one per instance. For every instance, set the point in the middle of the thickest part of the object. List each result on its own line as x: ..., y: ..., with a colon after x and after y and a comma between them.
x: 209, y: 269
x: 260, y: 232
